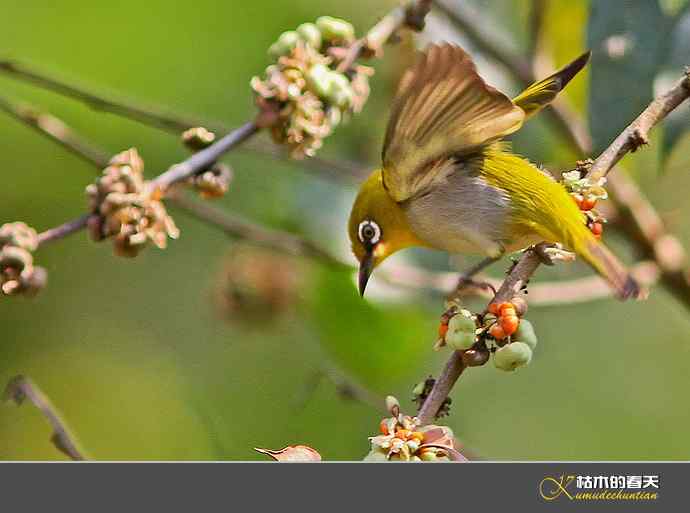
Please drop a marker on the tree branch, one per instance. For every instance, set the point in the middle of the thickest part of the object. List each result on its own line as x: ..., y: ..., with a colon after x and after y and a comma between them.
x: 20, y: 388
x: 637, y: 133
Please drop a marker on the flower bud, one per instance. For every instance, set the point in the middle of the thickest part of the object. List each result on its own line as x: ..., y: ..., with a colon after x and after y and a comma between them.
x: 310, y: 34
x: 525, y: 333
x: 285, y: 44
x: 320, y: 80
x: 335, y: 29
x: 512, y: 356
x: 340, y: 93
x: 392, y: 405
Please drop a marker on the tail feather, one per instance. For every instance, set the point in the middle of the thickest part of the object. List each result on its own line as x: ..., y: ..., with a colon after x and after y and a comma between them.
x: 608, y: 265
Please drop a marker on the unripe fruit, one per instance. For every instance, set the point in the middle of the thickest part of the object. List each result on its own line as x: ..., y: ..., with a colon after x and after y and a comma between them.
x: 525, y: 333
x: 335, y: 28
x: 512, y: 356
x: 428, y: 455
x: 310, y: 34
x: 461, y: 332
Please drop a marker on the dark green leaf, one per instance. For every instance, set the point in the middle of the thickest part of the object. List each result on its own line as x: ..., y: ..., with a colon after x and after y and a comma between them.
x: 629, y: 41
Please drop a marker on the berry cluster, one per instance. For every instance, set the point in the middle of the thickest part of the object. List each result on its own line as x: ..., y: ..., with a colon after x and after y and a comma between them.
x: 306, y: 86
x: 215, y: 181
x: 126, y: 208
x: 18, y: 274
x: 403, y: 439
x: 586, y: 194
x: 501, y: 331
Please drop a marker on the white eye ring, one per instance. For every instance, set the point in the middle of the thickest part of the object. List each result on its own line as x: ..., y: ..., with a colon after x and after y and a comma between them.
x: 372, y: 239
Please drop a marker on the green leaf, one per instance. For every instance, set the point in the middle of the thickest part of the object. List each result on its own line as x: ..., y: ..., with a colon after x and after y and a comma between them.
x: 629, y: 43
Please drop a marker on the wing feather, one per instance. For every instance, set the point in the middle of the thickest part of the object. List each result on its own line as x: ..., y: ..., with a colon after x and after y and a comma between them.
x: 442, y: 108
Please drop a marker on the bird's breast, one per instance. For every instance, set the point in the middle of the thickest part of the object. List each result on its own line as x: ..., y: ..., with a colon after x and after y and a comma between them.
x: 450, y: 214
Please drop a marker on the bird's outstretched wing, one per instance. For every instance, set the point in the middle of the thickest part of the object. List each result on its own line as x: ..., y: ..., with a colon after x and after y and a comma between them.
x: 541, y: 93
x: 442, y: 108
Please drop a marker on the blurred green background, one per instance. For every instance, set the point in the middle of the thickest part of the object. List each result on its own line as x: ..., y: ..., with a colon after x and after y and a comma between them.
x: 154, y: 358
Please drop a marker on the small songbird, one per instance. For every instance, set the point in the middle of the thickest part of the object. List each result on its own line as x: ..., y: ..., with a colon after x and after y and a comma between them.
x: 447, y: 181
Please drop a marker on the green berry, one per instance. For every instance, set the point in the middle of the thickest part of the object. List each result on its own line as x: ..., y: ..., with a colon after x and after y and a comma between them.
x: 525, y: 333
x: 310, y: 34
x: 513, y: 355
x: 461, y: 332
x: 335, y: 29
x: 429, y: 456
x: 285, y: 44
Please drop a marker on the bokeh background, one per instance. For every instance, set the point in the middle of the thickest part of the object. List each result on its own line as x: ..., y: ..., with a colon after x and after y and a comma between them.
x: 191, y: 353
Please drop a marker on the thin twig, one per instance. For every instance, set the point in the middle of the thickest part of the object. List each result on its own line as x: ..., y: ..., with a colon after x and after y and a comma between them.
x: 20, y: 388
x: 119, y: 107
x: 63, y: 230
x: 238, y: 227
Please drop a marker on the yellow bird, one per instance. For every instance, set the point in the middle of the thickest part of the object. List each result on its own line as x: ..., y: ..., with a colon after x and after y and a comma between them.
x: 448, y: 183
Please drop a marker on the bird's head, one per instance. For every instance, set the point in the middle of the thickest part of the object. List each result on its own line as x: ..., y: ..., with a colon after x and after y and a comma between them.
x: 377, y: 228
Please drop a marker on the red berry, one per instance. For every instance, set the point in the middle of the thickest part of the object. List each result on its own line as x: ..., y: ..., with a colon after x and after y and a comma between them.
x: 597, y: 229
x: 587, y: 204
x: 442, y: 330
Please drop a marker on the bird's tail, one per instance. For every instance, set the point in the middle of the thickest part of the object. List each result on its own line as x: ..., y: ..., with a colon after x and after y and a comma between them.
x: 611, y: 268
x: 580, y: 239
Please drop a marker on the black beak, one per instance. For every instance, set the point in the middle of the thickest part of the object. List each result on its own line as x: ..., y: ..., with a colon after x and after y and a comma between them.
x: 365, y: 268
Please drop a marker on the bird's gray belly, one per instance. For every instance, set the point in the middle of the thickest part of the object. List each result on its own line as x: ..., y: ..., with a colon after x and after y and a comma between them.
x: 454, y: 210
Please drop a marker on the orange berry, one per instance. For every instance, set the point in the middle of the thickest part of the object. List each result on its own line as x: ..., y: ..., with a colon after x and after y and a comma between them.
x: 497, y: 332
x: 509, y: 324
x: 587, y: 204
x: 383, y: 427
x: 493, y: 308
x: 442, y: 330
x: 417, y: 435
x: 403, y: 434
x: 597, y: 229
x: 506, y: 309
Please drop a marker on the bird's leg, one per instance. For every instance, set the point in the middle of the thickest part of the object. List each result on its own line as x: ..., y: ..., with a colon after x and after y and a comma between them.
x: 466, y: 277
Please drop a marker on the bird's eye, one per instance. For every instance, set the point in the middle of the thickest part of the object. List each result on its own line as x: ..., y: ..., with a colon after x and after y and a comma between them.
x: 369, y: 232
